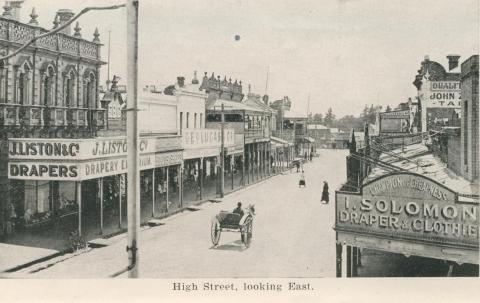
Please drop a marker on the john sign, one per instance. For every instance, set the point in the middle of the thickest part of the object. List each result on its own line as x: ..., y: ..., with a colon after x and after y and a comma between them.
x: 409, y: 206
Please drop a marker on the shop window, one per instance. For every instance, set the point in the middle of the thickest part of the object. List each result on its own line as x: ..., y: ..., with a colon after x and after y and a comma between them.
x: 66, y: 197
x: 37, y: 202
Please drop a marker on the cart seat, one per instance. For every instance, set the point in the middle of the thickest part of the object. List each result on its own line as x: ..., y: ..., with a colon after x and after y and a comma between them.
x: 229, y: 219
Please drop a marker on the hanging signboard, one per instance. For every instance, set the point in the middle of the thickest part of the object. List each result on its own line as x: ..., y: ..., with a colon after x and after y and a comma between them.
x: 85, y: 170
x: 409, y: 206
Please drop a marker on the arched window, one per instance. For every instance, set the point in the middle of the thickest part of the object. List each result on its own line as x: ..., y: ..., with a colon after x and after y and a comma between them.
x: 3, y: 81
x: 48, y: 87
x: 23, y: 85
x: 69, y: 89
x: 89, y: 90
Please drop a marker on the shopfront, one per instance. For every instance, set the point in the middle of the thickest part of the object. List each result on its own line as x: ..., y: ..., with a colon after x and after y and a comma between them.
x: 409, y: 214
x: 201, y: 165
x: 80, y: 184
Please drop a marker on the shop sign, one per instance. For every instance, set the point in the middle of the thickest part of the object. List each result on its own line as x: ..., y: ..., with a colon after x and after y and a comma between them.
x: 207, y: 138
x: 408, y: 206
x: 444, y: 94
x: 168, y: 159
x: 111, y: 167
x: 43, y: 171
x: 61, y: 149
x: 399, y: 114
x: 64, y: 171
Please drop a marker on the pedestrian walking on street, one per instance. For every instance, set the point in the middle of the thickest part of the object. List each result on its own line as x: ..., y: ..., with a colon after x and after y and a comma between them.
x: 302, y: 180
x: 325, y: 194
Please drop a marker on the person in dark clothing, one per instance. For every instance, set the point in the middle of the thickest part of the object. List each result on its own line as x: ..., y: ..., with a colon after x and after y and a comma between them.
x: 325, y: 194
x: 238, y: 209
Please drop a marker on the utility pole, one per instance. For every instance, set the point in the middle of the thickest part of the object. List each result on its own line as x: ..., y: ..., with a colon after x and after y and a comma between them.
x: 133, y: 173
x: 222, y: 155
x: 108, y: 60
x: 266, y: 81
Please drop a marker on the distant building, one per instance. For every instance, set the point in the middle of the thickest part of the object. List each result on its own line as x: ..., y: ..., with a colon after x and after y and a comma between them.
x: 221, y: 89
x: 438, y: 93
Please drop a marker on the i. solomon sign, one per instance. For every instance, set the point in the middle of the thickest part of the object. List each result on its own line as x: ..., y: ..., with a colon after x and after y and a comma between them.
x: 408, y: 206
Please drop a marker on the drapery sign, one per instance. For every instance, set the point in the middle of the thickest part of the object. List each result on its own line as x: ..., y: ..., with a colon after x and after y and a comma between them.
x: 409, y: 206
x: 115, y: 166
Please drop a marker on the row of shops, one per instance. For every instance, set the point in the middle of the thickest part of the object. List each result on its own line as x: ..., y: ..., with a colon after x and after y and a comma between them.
x: 59, y: 186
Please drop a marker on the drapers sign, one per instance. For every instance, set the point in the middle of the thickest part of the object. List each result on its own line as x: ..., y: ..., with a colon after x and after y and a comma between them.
x: 409, y: 206
x: 207, y: 138
x: 84, y: 170
x: 43, y: 171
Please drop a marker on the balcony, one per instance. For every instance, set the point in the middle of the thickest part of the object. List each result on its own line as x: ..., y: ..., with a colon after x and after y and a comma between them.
x: 257, y: 133
x: 16, y: 32
x: 38, y: 116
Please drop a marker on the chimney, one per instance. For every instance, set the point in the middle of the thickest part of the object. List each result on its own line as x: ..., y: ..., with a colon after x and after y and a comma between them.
x: 195, y: 80
x: 181, y: 81
x: 64, y: 15
x: 15, y: 7
x: 452, y: 61
x: 265, y: 99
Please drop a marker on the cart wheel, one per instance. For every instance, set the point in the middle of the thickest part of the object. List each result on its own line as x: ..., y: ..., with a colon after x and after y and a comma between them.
x: 215, y: 232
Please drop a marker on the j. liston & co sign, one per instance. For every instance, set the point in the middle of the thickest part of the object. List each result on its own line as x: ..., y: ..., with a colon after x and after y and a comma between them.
x: 409, y: 206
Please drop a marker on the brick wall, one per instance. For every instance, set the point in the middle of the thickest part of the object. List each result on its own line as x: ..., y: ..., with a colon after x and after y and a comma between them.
x: 454, y: 161
x: 469, y: 124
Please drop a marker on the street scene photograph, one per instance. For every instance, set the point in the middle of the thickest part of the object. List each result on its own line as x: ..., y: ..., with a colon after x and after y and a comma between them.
x: 239, y: 139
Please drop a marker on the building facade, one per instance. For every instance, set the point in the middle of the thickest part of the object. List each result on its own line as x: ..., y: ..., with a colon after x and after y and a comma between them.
x: 469, y: 122
x: 48, y: 92
x: 438, y: 94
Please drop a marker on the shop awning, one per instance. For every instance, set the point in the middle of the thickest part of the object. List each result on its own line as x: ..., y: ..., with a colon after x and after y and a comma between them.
x: 309, y: 139
x: 278, y: 140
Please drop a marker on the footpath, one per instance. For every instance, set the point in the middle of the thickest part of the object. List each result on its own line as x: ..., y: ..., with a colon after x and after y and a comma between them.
x: 18, y: 260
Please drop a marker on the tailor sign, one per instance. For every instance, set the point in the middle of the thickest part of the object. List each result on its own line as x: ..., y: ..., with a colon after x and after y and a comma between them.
x: 444, y: 94
x: 408, y: 206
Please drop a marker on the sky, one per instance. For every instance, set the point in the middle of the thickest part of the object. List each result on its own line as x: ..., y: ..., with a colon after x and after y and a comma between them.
x: 342, y: 53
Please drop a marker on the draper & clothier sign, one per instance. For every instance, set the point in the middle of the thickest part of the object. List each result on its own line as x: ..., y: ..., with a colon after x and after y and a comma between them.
x: 409, y: 206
